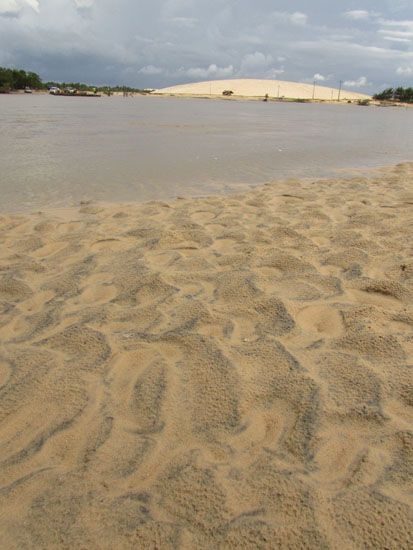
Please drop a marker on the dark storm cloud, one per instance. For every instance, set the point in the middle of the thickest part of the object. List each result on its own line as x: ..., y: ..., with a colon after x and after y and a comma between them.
x: 153, y: 43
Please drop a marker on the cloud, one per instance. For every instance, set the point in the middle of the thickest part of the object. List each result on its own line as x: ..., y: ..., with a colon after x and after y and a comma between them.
x: 297, y: 18
x: 188, y: 22
x: 213, y: 71
x: 404, y: 71
x: 166, y: 42
x: 319, y: 77
x: 274, y: 73
x: 396, y: 34
x: 171, y: 8
x: 398, y: 31
x: 395, y: 39
x: 12, y: 8
x: 150, y: 70
x: 84, y: 7
x: 258, y: 64
x: 255, y: 62
x: 357, y: 15
x: 352, y: 51
x: 33, y: 4
x: 359, y: 83
x: 9, y: 8
x: 394, y: 23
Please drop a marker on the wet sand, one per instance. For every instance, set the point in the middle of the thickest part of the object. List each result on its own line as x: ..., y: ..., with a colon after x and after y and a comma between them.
x: 220, y: 372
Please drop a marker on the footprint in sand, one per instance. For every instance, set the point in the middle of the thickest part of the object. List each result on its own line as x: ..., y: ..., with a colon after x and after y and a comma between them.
x: 14, y: 290
x: 321, y: 319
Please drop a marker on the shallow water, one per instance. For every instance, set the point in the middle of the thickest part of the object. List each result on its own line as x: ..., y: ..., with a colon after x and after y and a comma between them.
x: 57, y: 151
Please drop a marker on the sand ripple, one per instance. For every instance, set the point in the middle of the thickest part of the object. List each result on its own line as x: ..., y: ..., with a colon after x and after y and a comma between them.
x: 211, y: 373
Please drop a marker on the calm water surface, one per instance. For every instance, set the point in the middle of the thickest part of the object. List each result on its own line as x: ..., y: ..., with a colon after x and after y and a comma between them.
x: 57, y: 151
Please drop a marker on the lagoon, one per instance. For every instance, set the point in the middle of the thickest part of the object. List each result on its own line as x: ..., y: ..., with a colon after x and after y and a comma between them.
x: 58, y: 151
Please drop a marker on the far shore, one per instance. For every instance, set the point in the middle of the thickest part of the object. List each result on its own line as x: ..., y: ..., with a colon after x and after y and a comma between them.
x: 220, y: 97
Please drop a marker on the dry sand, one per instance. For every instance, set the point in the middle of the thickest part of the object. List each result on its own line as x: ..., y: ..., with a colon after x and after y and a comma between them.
x: 211, y: 373
x: 251, y: 87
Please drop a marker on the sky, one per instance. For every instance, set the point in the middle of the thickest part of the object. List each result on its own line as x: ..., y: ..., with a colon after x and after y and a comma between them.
x: 368, y: 44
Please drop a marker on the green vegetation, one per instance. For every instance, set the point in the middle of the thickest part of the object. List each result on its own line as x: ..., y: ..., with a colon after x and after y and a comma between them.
x: 108, y: 90
x: 404, y: 95
x: 17, y: 79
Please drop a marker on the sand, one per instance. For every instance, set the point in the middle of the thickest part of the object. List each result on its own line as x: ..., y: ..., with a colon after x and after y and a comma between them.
x: 250, y: 87
x: 219, y: 372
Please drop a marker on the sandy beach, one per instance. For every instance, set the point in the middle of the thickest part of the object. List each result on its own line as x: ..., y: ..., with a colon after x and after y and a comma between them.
x: 218, y: 372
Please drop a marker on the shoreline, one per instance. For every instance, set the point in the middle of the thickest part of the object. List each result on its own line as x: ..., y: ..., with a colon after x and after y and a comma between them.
x: 217, y: 97
x: 371, y: 103
x: 344, y: 174
x: 205, y: 371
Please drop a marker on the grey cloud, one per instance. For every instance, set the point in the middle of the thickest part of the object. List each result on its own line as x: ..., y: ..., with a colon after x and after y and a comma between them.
x: 295, y: 18
x: 10, y: 14
x: 405, y: 71
x: 212, y: 72
x: 84, y: 3
x: 13, y: 8
x: 255, y: 63
x: 359, y: 83
x: 162, y: 42
x: 151, y: 70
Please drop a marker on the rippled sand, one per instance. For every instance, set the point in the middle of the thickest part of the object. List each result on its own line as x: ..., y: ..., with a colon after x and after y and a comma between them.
x: 211, y: 373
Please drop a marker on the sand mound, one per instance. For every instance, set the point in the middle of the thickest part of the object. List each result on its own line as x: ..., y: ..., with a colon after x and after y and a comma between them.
x: 250, y: 87
x: 211, y: 373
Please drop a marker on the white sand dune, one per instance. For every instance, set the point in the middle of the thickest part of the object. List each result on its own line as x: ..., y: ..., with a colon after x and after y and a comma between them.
x: 249, y: 87
x: 219, y: 372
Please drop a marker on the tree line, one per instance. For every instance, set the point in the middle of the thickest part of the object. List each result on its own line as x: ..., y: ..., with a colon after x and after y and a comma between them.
x: 17, y: 79
x: 405, y: 95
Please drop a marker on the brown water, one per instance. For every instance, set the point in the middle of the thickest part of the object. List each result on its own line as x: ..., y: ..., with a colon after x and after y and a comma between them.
x: 57, y: 151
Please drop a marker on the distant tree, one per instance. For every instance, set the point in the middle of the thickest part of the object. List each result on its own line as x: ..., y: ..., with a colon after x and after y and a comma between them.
x: 17, y: 79
x: 386, y: 94
x: 33, y: 81
x: 404, y: 95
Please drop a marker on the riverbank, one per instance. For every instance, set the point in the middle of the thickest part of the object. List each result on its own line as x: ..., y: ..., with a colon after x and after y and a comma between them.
x: 211, y: 372
x: 220, y: 97
x: 342, y: 102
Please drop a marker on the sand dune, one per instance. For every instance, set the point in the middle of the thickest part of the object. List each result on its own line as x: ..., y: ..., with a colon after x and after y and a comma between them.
x: 211, y: 373
x: 250, y: 87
